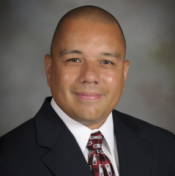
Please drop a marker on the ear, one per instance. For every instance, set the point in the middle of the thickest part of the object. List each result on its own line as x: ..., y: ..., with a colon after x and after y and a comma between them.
x: 48, y: 67
x: 126, y: 68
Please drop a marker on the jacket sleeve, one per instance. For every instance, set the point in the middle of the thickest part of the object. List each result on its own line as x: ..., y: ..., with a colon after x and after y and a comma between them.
x: 172, y: 169
x: 3, y: 172
x: 172, y: 165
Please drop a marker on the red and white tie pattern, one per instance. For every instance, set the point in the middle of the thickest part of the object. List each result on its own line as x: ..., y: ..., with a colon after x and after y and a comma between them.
x: 98, y: 161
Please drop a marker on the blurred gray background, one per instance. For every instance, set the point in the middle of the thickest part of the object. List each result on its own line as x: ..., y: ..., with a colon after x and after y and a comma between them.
x: 26, y: 29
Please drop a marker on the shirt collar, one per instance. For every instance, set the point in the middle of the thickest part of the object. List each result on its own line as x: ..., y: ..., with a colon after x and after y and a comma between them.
x: 82, y: 133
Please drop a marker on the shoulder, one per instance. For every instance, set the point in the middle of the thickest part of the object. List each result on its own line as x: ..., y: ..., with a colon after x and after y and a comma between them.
x: 19, y: 149
x: 144, y: 129
x: 24, y: 134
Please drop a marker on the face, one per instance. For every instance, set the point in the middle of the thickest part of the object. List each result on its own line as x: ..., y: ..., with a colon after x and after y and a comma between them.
x: 87, y: 71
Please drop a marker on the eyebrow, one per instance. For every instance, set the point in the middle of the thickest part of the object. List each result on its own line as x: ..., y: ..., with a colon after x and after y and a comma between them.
x: 66, y: 51
x: 110, y: 54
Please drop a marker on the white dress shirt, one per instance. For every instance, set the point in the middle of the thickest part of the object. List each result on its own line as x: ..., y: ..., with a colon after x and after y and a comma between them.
x: 82, y: 134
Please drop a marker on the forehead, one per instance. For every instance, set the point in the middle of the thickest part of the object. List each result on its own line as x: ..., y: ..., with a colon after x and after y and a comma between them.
x: 76, y: 34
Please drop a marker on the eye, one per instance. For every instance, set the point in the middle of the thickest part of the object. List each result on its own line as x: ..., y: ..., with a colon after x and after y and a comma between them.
x: 107, y: 62
x: 74, y: 60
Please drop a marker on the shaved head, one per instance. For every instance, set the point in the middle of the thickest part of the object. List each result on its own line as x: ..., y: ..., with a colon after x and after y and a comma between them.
x: 92, y: 14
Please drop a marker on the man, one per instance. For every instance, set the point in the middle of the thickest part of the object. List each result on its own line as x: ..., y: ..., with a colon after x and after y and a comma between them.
x: 77, y: 131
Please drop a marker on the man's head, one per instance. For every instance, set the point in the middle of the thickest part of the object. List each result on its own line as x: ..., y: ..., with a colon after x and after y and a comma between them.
x: 87, y: 69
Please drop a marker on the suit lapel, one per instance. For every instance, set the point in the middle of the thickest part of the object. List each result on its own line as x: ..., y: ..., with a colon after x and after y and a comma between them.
x: 133, y: 152
x: 64, y: 156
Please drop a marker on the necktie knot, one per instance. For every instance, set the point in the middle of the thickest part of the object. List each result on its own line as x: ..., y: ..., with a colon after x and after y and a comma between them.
x: 95, y: 141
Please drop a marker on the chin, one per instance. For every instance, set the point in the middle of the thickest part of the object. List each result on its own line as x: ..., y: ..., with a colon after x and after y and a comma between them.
x: 88, y: 117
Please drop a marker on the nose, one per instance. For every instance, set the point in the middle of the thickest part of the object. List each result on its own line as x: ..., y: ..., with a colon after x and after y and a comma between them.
x: 89, y: 74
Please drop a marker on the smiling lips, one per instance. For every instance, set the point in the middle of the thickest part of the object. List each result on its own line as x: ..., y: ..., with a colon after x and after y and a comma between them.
x: 88, y: 96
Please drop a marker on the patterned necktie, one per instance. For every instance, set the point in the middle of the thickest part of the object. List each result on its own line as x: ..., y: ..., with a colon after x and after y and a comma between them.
x: 98, y: 161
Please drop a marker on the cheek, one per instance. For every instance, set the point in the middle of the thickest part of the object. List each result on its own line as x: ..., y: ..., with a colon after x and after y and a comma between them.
x: 108, y: 78
x: 63, y: 77
x: 111, y: 79
x: 114, y: 83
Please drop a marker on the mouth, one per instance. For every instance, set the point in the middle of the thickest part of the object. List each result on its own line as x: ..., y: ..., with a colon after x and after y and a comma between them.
x: 88, y: 96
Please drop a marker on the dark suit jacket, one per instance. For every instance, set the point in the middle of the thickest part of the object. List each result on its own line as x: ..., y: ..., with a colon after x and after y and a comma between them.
x: 43, y: 146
